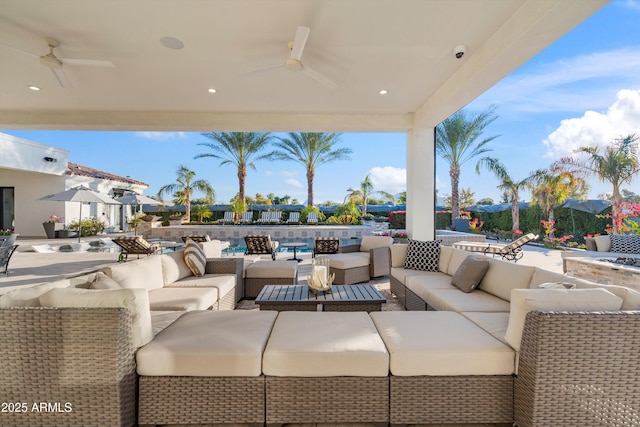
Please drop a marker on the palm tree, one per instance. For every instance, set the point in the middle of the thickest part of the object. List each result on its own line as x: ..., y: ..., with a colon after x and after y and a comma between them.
x: 241, y: 149
x: 185, y: 186
x: 311, y: 149
x: 365, y: 191
x: 618, y: 165
x: 507, y: 184
x: 457, y: 141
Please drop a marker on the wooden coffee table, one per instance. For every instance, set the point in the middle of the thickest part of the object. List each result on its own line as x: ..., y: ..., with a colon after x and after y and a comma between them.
x: 340, y: 298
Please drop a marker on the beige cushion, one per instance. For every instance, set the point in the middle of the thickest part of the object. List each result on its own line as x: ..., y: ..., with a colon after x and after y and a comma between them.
x: 526, y: 300
x: 325, y: 344
x: 441, y: 344
x: 212, y: 249
x: 183, y: 299
x: 470, y: 273
x: 209, y: 344
x: 603, y: 243
x: 346, y: 261
x: 136, y: 300
x: 174, y: 267
x: 102, y: 281
x: 494, y: 323
x: 445, y: 257
x: 30, y: 297
x: 195, y: 258
x: 271, y: 269
x: 398, y: 254
x: 224, y: 282
x: 454, y: 300
x: 541, y: 276
x: 630, y: 297
x: 142, y: 273
x: 503, y: 276
x: 457, y: 256
x: 428, y: 280
x: 402, y: 273
x: 372, y: 242
x: 160, y: 320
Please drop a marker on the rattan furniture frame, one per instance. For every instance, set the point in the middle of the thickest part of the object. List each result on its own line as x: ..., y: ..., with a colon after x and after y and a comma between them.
x: 253, y: 286
x: 379, y: 265
x: 5, y: 257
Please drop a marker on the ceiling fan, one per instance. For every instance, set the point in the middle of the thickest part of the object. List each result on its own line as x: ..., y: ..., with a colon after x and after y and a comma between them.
x: 294, y: 62
x: 55, y: 64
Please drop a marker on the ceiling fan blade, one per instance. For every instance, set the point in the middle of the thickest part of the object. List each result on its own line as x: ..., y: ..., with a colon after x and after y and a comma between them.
x: 62, y: 77
x: 15, y: 49
x: 318, y: 77
x: 302, y: 34
x: 263, y: 70
x: 87, y: 62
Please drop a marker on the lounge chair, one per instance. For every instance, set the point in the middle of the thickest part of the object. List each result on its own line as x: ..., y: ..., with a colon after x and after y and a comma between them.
x: 312, y: 218
x: 229, y: 218
x: 261, y: 245
x: 197, y: 239
x: 294, y: 218
x: 276, y: 217
x: 247, y: 218
x: 136, y: 246
x: 325, y: 245
x: 264, y: 217
x: 510, y: 252
x: 5, y: 256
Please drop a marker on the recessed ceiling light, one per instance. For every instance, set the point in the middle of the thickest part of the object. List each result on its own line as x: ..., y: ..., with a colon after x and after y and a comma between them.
x: 211, y: 90
x: 32, y: 87
x: 171, y: 43
x: 383, y: 92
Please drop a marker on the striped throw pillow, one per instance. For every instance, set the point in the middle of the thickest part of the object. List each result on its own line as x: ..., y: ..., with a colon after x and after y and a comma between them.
x: 195, y: 258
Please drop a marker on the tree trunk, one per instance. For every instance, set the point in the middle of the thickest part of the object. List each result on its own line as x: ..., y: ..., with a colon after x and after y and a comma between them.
x: 187, y: 205
x: 552, y: 217
x: 616, y: 209
x: 242, y: 176
x: 310, y: 176
x: 515, y: 214
x: 454, y: 173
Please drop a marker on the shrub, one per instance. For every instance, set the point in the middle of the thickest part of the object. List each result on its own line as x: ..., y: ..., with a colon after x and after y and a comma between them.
x: 88, y: 226
x: 398, y: 219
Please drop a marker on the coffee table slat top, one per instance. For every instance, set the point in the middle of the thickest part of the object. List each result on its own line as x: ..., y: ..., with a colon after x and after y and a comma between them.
x: 300, y: 294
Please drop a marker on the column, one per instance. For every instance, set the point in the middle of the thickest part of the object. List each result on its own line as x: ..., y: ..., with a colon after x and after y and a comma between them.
x: 421, y: 176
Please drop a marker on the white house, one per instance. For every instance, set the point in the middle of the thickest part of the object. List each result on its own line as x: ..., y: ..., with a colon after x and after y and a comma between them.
x: 30, y: 170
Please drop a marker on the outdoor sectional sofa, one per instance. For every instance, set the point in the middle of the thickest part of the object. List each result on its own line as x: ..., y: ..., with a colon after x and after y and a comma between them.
x: 128, y: 365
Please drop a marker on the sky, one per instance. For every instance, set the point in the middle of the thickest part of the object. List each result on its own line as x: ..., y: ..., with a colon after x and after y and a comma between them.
x: 582, y: 90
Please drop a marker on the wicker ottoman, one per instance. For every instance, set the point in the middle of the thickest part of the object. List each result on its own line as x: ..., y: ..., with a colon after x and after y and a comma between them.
x: 261, y: 273
x: 441, y: 363
x: 206, y: 368
x: 326, y: 367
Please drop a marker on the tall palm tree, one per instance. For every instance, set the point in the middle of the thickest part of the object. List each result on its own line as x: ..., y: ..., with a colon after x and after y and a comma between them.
x: 185, y: 186
x: 507, y: 184
x: 311, y: 149
x: 241, y: 149
x: 365, y: 191
x: 618, y: 165
x: 457, y: 140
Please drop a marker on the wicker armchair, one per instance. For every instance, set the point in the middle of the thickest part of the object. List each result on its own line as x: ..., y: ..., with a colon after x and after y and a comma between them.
x: 136, y: 246
x: 325, y: 245
x: 197, y: 239
x: 261, y: 245
x: 5, y: 256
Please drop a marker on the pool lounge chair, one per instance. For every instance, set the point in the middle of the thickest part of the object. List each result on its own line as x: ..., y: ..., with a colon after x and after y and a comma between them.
x: 247, y: 218
x: 325, y: 246
x: 197, y: 239
x: 229, y: 218
x: 312, y: 218
x: 509, y: 252
x: 294, y: 218
x: 261, y: 245
x: 136, y: 246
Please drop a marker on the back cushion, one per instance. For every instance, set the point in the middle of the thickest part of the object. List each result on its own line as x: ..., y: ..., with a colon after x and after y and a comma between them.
x: 145, y: 273
x: 503, y: 277
x: 445, y: 258
x: 629, y: 244
x: 174, y: 267
x: 541, y: 276
x: 457, y: 256
x: 212, y: 249
x: 603, y: 243
x: 136, y: 300
x: 29, y: 297
x: 372, y: 242
x: 398, y: 254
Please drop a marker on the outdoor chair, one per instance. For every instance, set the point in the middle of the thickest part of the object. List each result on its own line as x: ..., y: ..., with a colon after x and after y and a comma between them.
x: 261, y: 245
x: 276, y: 217
x: 508, y: 252
x: 136, y: 246
x: 312, y: 218
x: 246, y: 218
x: 294, y: 218
x: 229, y: 218
x: 197, y: 239
x: 325, y: 245
x: 5, y: 256
x: 264, y: 217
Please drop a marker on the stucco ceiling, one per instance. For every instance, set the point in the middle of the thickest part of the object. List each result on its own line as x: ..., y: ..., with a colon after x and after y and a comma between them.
x: 405, y: 47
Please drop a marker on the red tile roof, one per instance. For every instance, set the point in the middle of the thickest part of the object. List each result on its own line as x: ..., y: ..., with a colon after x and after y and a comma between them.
x: 76, y: 169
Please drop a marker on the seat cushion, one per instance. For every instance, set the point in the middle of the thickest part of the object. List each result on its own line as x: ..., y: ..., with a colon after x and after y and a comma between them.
x: 402, y: 274
x: 143, y: 273
x: 455, y: 300
x: 271, y: 269
x: 183, y: 299
x: 348, y: 260
x: 209, y: 344
x: 325, y: 344
x: 174, y: 267
x: 420, y: 284
x: 224, y: 282
x: 160, y: 320
x: 441, y: 344
x: 494, y: 323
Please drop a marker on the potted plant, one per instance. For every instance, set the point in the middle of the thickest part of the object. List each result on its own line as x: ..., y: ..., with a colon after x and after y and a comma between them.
x: 8, y: 237
x: 176, y: 218
x: 54, y: 223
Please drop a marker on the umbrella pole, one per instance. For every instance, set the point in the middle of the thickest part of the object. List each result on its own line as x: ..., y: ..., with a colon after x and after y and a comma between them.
x: 80, y: 223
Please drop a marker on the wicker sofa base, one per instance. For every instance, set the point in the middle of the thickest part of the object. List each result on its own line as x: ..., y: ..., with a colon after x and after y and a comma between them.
x: 252, y: 287
x: 350, y: 276
x: 397, y: 288
x: 451, y: 400
x: 201, y: 400
x: 327, y: 400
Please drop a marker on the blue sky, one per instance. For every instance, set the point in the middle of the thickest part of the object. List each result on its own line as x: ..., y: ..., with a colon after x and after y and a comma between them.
x: 582, y: 90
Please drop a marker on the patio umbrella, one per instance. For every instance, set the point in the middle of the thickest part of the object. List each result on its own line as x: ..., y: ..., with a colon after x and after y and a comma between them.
x: 594, y: 206
x: 82, y: 195
x: 139, y: 200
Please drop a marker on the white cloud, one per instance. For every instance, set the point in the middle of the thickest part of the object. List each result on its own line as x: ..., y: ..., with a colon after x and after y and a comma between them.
x: 389, y: 179
x: 596, y: 129
x: 161, y: 136
x: 294, y: 182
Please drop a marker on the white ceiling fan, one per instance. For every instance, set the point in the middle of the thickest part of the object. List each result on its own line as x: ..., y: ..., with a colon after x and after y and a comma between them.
x: 294, y: 62
x: 55, y: 64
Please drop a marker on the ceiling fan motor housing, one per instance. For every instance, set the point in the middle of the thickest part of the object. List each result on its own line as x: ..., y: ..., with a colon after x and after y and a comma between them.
x: 50, y: 61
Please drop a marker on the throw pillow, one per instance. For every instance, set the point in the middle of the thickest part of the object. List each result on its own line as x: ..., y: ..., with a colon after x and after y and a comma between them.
x: 102, y: 281
x: 423, y: 256
x: 470, y: 273
x: 603, y: 243
x: 195, y: 258
x: 557, y: 285
x: 628, y: 244
x: 526, y: 300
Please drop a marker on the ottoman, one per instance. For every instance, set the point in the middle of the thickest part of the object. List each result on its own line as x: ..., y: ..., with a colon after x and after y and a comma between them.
x: 326, y: 367
x: 350, y: 268
x: 261, y: 273
x: 205, y: 368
